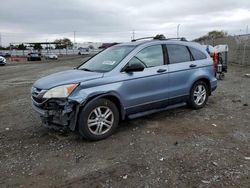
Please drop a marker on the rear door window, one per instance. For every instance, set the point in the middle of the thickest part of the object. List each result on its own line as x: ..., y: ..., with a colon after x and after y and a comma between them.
x: 197, y: 54
x: 178, y: 53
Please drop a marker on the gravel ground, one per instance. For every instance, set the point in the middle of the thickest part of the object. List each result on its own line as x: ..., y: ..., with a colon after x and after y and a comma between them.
x: 177, y: 148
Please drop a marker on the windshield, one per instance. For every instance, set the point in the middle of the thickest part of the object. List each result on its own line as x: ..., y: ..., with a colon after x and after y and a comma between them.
x: 107, y: 60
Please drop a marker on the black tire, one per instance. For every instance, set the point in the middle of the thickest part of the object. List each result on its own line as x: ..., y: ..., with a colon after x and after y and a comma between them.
x: 221, y: 76
x: 85, y: 113
x: 192, y: 98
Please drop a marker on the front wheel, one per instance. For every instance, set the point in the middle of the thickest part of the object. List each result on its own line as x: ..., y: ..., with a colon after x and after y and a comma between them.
x: 98, y: 119
x: 198, y: 95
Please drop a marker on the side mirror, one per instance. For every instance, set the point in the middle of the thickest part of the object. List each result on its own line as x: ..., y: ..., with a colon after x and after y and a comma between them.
x: 136, y: 67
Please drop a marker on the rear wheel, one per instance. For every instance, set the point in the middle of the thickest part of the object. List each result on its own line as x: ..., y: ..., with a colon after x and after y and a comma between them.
x: 98, y: 119
x: 198, y: 95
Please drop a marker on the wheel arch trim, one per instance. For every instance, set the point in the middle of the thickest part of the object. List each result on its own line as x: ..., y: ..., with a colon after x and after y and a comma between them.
x: 113, y: 96
x: 202, y: 78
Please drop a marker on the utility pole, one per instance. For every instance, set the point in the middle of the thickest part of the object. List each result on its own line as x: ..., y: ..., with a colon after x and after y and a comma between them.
x: 47, y: 46
x: 74, y: 41
x: 133, y: 35
x: 178, y: 30
x: 74, y: 37
x: 0, y: 39
x: 247, y: 30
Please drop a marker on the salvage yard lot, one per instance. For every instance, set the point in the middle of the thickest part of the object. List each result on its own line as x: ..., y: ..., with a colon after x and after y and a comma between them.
x: 176, y: 148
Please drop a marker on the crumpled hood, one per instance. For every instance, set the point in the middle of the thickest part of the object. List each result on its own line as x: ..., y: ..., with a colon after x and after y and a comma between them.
x: 66, y: 77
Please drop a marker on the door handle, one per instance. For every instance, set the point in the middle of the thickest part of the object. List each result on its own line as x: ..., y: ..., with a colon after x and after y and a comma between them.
x: 161, y: 70
x: 192, y: 65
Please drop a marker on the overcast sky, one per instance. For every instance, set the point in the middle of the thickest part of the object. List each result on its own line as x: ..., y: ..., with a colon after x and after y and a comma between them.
x: 113, y: 20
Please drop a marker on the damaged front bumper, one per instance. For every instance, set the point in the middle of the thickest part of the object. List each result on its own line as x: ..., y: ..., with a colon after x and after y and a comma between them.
x: 57, y: 113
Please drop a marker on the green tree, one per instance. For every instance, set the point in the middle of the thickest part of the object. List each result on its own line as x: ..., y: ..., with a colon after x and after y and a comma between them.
x: 217, y: 34
x: 38, y: 47
x: 2, y: 48
x: 212, y: 35
x: 21, y: 47
x: 63, y: 43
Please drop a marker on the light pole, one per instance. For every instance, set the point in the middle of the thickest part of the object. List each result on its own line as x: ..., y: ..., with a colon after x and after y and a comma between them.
x: 133, y: 35
x: 0, y: 40
x: 178, y: 30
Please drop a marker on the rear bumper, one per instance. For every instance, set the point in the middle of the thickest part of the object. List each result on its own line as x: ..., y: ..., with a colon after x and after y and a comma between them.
x: 213, y: 84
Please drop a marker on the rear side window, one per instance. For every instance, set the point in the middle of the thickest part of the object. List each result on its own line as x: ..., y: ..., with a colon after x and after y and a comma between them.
x: 151, y: 56
x: 178, y: 53
x: 197, y: 54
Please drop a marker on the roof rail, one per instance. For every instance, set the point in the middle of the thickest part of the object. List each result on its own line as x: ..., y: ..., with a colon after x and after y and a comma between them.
x: 157, y: 37
x: 143, y: 38
x: 180, y: 38
x: 160, y: 37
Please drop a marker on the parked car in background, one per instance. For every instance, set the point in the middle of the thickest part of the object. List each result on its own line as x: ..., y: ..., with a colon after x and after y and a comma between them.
x: 2, y: 61
x: 34, y: 56
x: 127, y: 80
x: 51, y: 56
x: 84, y: 51
x: 5, y: 54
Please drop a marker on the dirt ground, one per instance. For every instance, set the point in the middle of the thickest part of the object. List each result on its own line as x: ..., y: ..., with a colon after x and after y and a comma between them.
x: 177, y: 148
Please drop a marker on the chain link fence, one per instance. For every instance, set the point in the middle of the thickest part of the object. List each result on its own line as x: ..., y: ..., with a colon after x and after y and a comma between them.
x: 239, y: 47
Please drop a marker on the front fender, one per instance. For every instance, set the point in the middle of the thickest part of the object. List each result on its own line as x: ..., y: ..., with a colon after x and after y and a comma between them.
x: 111, y: 95
x: 82, y: 98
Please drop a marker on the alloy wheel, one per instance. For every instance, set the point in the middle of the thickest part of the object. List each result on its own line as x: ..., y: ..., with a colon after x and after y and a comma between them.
x: 100, y: 120
x: 200, y: 94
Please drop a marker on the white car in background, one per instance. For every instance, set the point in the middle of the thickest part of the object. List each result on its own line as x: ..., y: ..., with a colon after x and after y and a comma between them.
x: 51, y: 56
x: 2, y: 61
x: 83, y: 51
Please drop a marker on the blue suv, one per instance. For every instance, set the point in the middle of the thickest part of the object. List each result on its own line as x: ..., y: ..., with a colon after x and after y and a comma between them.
x: 128, y: 80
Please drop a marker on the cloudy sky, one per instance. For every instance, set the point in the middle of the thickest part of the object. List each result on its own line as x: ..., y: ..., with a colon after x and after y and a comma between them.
x: 113, y: 20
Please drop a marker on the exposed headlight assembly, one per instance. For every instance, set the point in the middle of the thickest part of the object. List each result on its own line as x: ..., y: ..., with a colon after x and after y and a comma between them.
x: 62, y: 91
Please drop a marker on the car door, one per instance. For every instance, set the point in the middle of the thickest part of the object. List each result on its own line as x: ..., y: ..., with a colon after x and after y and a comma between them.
x: 181, y: 68
x: 146, y: 89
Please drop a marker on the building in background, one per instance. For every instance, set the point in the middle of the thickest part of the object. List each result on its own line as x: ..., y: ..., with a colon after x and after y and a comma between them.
x: 91, y: 45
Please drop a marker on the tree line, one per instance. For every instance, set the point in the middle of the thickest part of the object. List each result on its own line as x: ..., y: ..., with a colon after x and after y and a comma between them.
x: 212, y: 35
x: 61, y: 44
